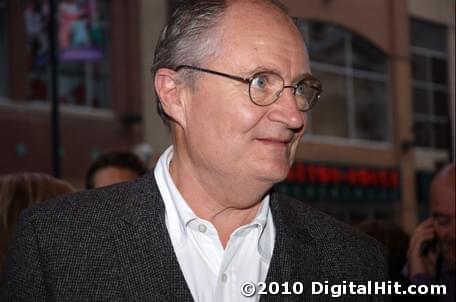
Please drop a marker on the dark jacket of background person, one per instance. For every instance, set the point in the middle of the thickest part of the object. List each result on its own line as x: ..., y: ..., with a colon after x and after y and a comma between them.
x: 18, y: 192
x: 112, y: 244
x: 396, y: 243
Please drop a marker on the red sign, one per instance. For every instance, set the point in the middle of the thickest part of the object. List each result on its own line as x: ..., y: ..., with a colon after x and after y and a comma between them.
x: 353, y: 176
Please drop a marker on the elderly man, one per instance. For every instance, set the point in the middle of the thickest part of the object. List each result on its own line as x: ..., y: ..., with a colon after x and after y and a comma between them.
x: 431, y: 254
x: 234, y: 85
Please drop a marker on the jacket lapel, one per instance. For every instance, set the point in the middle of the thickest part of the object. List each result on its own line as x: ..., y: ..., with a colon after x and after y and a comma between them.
x: 295, y: 256
x: 148, y: 264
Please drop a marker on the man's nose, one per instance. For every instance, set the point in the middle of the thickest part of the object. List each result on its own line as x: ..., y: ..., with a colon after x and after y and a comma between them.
x: 286, y: 111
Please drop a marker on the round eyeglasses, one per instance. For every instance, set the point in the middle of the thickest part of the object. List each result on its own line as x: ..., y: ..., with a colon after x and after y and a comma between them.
x: 267, y: 86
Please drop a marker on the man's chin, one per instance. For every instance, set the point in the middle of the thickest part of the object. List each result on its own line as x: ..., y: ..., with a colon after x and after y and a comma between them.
x: 271, y: 170
x: 276, y: 175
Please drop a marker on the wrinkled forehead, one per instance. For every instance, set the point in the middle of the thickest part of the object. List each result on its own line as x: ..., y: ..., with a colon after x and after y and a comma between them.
x: 259, y: 27
x: 443, y: 197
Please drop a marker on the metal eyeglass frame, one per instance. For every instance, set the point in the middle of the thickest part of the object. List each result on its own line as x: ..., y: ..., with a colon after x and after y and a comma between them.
x: 316, y: 85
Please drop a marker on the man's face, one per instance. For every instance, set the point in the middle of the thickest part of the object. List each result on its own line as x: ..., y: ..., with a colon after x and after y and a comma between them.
x: 226, y: 134
x: 112, y: 175
x: 443, y: 212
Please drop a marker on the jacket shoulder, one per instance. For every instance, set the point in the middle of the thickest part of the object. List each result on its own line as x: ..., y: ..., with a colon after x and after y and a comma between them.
x: 96, y: 206
x: 322, y: 226
x: 340, y: 245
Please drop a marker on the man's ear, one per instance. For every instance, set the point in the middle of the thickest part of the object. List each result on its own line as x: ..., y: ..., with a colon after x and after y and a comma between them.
x: 167, y: 88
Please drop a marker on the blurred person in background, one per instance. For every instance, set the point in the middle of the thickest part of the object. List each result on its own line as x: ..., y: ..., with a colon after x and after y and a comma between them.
x: 431, y: 254
x: 19, y: 191
x: 114, y: 167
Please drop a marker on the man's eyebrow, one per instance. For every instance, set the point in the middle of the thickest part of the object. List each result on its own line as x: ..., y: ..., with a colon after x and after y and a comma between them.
x: 303, y: 76
x: 439, y: 215
x: 264, y: 69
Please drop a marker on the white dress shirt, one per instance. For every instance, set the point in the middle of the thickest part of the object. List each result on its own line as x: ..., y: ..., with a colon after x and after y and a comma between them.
x: 211, y: 272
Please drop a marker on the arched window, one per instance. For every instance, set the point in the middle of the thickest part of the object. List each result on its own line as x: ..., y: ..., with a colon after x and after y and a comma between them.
x: 355, y: 101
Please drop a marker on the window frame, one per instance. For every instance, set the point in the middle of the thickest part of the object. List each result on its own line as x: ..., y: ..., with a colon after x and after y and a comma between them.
x: 350, y: 74
x: 430, y: 118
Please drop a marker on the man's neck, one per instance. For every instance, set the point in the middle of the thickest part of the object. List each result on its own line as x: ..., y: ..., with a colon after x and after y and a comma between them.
x: 226, y: 203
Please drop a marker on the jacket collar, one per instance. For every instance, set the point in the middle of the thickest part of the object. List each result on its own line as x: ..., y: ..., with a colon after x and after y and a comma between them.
x: 150, y: 269
x: 294, y: 249
x: 147, y: 260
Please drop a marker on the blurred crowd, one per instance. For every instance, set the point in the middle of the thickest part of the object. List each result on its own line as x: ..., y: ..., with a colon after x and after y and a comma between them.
x: 19, y: 191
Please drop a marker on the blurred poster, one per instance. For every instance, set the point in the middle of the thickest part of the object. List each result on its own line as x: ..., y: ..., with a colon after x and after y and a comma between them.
x: 80, y: 37
x: 79, y: 34
x: 36, y: 16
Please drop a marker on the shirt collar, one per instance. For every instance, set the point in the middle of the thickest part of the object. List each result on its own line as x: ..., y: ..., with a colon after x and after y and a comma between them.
x: 179, y: 214
x: 261, y: 218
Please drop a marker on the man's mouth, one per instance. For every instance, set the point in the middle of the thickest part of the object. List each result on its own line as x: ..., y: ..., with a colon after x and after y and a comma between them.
x: 275, y: 141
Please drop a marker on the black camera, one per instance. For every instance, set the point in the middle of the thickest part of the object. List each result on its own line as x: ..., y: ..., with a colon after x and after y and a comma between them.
x: 429, y: 246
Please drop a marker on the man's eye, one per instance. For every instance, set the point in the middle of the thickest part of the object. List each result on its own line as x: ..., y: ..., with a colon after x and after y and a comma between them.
x: 301, y: 89
x: 442, y: 220
x: 260, y: 81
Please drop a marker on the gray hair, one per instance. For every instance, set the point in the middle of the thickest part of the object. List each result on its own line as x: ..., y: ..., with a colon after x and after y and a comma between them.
x: 189, y: 38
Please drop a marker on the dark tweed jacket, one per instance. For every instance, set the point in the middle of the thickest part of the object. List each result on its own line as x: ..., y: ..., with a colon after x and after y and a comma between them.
x: 112, y: 244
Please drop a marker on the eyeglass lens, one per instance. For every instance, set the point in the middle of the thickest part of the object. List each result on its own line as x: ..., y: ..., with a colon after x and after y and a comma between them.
x: 266, y: 87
